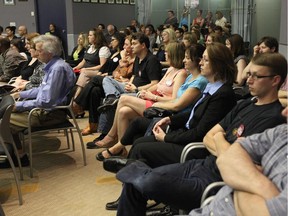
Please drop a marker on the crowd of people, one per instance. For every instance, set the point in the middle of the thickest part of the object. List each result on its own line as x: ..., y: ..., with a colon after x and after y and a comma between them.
x: 203, y: 76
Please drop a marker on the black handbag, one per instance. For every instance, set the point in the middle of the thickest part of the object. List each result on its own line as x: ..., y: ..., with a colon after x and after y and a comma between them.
x: 156, y: 112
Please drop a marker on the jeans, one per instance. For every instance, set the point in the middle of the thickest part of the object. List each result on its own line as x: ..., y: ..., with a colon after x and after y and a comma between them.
x: 113, y: 87
x: 178, y: 185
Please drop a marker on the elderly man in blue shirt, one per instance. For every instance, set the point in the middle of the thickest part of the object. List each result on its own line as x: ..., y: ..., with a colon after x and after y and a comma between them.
x: 58, y: 81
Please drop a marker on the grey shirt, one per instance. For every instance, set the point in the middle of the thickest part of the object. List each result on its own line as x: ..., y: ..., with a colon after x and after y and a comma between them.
x: 270, y: 150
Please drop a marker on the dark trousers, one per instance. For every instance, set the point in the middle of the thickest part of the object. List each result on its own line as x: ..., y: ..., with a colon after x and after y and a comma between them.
x: 156, y: 153
x: 178, y: 185
x: 90, y: 98
x: 136, y: 129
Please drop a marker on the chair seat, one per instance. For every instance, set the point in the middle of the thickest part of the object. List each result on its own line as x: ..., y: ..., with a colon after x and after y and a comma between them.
x: 64, y: 125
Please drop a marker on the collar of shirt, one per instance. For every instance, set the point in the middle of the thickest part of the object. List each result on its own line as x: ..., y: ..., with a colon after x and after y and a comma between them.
x: 50, y: 63
x: 211, y: 88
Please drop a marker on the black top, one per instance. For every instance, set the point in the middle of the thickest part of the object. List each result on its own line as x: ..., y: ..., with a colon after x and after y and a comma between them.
x: 247, y: 118
x: 111, y: 64
x: 70, y: 60
x: 149, y: 69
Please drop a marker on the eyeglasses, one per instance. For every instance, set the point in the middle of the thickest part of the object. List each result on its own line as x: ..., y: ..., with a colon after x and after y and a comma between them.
x: 256, y: 77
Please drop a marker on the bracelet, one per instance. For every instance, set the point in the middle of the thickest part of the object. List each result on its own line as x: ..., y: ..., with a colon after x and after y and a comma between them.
x: 136, y: 90
x: 155, y: 99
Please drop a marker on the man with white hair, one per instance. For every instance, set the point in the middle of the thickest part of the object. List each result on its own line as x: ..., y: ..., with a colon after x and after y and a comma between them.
x: 58, y: 81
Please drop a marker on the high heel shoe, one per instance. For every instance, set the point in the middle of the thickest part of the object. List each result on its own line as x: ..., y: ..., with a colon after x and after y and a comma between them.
x: 123, y: 152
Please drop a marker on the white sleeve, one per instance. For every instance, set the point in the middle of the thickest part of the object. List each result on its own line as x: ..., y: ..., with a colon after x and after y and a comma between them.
x: 104, y: 52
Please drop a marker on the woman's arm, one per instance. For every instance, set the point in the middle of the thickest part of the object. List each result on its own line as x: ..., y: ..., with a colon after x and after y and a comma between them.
x: 93, y: 71
x: 181, y: 103
x: 80, y: 65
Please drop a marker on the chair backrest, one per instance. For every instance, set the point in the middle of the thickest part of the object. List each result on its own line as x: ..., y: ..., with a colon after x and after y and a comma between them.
x: 6, y: 101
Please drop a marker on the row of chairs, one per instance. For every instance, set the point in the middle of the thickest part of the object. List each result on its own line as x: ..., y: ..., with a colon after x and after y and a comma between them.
x: 69, y: 126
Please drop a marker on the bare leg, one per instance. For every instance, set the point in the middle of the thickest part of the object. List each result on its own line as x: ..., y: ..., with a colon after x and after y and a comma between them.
x: 124, y: 115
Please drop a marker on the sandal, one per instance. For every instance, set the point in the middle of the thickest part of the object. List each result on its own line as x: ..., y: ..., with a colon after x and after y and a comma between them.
x: 123, y: 152
x: 92, y: 145
x: 106, y: 144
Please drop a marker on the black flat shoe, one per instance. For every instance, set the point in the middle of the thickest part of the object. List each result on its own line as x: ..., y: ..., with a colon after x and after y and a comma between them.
x: 108, y: 105
x: 112, y: 205
x: 92, y: 145
x: 100, y: 156
x: 24, y: 162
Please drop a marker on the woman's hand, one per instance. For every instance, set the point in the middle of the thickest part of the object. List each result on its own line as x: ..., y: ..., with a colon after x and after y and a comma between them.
x: 159, y: 134
x: 162, y: 123
x: 149, y: 96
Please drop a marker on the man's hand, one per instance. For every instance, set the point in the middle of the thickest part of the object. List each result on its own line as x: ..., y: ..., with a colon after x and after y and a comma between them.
x: 129, y: 87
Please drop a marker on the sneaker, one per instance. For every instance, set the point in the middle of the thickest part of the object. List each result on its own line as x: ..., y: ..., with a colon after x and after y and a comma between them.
x: 108, y: 104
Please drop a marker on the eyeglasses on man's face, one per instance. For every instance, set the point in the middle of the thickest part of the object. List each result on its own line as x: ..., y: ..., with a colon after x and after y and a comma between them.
x: 254, y: 76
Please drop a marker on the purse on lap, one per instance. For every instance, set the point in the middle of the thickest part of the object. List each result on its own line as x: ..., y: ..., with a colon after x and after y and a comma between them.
x: 156, y: 112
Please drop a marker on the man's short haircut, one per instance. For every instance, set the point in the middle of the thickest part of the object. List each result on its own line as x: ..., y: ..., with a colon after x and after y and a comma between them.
x: 142, y: 38
x: 270, y: 42
x: 50, y: 44
x: 275, y: 61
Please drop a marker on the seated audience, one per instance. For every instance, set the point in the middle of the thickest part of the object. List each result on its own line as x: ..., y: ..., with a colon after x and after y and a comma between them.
x: 165, y: 148
x: 11, y: 61
x: 91, y: 95
x: 190, y: 90
x: 117, y: 43
x: 130, y: 107
x: 146, y: 73
x: 184, y: 183
x: 78, y: 51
